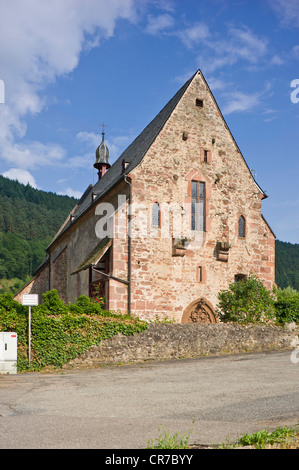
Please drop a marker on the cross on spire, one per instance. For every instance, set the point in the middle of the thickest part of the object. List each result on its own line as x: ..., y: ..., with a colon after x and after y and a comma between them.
x: 103, y: 125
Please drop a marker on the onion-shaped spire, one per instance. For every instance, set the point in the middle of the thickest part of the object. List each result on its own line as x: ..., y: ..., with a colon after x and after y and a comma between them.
x: 102, y: 157
x: 102, y: 152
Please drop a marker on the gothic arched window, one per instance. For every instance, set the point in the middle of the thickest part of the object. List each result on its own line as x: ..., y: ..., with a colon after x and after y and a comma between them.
x: 198, y: 209
x: 156, y: 215
x: 241, y: 227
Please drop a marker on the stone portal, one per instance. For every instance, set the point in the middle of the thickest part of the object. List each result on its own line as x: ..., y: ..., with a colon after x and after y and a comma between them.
x: 199, y: 311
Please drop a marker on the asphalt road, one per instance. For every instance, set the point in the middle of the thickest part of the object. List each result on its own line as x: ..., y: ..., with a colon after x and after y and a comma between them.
x: 122, y: 407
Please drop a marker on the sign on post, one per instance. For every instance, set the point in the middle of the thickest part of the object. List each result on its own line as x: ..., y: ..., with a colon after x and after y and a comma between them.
x: 31, y: 300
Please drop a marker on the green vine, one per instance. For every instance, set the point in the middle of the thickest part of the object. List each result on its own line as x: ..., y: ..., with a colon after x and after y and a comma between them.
x: 60, y: 332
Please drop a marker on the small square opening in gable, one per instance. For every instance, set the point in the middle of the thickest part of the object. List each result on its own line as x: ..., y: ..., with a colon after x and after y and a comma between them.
x: 199, y: 103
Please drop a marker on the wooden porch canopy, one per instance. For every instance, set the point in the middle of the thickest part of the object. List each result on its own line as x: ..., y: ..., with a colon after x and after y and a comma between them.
x: 95, y: 255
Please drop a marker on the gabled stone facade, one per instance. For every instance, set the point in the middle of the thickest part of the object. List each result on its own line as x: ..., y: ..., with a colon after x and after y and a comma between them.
x: 173, y: 221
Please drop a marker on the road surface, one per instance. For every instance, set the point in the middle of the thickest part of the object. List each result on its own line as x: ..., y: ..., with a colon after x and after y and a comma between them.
x: 122, y: 407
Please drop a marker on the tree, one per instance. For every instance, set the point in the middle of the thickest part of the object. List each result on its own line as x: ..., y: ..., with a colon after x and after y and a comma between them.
x: 29, y: 219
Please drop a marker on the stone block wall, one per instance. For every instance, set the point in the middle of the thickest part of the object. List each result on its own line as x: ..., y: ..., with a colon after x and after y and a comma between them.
x: 38, y: 285
x: 59, y: 274
x: 177, y: 341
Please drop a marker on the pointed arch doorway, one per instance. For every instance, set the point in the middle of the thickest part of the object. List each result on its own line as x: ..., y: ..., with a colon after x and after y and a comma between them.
x: 200, y: 311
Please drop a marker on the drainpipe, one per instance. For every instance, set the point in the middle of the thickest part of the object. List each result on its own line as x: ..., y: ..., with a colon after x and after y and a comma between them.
x: 129, y: 246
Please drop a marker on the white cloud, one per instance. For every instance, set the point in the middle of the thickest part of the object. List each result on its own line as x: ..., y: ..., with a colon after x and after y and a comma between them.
x: 287, y: 11
x: 71, y: 193
x: 194, y: 35
x: 246, y: 45
x: 295, y: 52
x: 93, y: 140
x: 270, y: 119
x: 241, y: 44
x: 157, y: 24
x: 217, y: 83
x: 276, y: 60
x: 238, y: 101
x: 23, y: 176
x: 32, y: 155
x: 32, y: 56
x: 81, y: 161
x: 220, y: 50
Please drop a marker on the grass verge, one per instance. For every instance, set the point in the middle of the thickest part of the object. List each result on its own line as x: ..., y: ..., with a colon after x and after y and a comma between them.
x: 280, y: 438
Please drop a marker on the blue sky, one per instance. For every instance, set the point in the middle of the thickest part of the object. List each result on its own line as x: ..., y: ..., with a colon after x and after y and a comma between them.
x: 67, y: 66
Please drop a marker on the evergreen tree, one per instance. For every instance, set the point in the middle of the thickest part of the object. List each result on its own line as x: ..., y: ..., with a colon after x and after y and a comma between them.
x: 287, y: 265
x: 29, y: 219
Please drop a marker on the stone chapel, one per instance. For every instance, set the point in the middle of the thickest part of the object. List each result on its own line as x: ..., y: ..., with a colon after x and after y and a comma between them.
x: 173, y: 221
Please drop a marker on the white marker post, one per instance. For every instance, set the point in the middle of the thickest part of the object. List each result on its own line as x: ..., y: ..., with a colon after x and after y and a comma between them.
x: 31, y: 300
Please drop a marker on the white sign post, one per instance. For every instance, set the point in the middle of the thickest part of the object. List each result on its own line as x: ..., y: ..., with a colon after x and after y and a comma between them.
x: 31, y: 300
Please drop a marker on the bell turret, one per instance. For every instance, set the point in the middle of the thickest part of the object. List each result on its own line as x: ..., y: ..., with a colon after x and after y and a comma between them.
x: 102, y: 158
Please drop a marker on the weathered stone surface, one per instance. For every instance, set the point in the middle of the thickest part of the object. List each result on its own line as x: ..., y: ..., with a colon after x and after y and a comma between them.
x: 175, y: 341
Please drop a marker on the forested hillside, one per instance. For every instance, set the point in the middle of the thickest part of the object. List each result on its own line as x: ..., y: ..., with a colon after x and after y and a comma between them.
x: 29, y: 218
x: 287, y: 264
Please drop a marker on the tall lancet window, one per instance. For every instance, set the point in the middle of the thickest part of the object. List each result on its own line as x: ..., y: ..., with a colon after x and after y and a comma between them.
x: 198, y: 193
x: 156, y: 215
x: 241, y: 227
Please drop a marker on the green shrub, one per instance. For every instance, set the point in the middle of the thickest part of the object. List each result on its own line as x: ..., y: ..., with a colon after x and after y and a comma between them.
x: 90, y: 307
x: 287, y: 294
x: 52, y: 303
x: 287, y: 305
x: 246, y: 301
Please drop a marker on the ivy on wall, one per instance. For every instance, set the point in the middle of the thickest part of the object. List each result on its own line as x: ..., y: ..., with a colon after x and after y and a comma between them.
x: 61, y: 332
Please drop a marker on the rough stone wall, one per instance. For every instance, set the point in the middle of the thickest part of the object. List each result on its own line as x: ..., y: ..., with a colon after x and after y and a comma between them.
x: 118, y: 291
x: 68, y: 252
x: 38, y: 285
x: 164, y: 284
x: 177, y: 341
x: 59, y: 274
